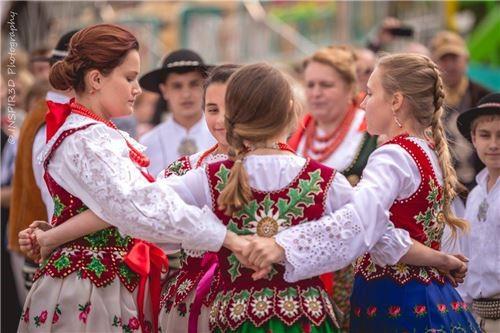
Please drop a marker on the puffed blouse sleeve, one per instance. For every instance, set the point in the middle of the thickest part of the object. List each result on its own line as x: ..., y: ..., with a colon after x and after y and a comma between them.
x: 358, y: 226
x: 94, y: 165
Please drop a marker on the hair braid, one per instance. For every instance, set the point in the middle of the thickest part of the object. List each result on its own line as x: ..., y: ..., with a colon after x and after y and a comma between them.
x: 450, y: 180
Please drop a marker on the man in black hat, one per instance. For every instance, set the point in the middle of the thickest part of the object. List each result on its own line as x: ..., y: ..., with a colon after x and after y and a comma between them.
x: 481, y: 126
x: 180, y: 82
x: 31, y: 199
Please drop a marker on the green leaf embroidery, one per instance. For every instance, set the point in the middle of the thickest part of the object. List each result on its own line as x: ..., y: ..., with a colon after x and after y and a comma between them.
x: 96, y: 266
x: 222, y: 175
x: 126, y: 272
x: 58, y: 206
x: 266, y: 292
x: 62, y: 263
x: 234, y: 270
x: 303, y: 196
x: 291, y: 292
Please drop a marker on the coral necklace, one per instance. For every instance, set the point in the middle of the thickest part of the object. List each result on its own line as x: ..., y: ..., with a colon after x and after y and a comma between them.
x: 335, y: 138
x: 135, y: 155
x: 206, y: 154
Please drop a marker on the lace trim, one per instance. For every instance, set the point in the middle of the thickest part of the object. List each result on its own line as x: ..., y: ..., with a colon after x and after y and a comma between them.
x: 307, y: 244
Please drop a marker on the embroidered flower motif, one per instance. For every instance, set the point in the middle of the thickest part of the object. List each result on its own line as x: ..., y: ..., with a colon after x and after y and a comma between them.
x: 456, y: 306
x: 465, y: 306
x: 289, y: 306
x: 442, y: 308
x: 84, y: 312
x: 394, y: 311
x: 371, y: 311
x: 266, y: 224
x: 57, y: 313
x: 401, y: 270
x: 357, y: 312
x: 133, y: 323
x: 237, y: 310
x: 182, y: 309
x: 313, y: 306
x: 261, y: 306
x: 40, y: 319
x: 117, y: 321
x: 26, y: 315
x: 148, y: 327
x: 420, y: 310
x: 184, y: 287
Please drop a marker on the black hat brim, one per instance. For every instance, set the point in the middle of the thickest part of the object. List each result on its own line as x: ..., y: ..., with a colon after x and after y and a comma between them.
x: 464, y: 120
x: 151, y: 81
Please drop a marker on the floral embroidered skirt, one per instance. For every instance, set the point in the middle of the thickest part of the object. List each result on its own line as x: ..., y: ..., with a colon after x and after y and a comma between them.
x: 74, y: 304
x: 275, y: 325
x: 176, y: 320
x: 382, y: 306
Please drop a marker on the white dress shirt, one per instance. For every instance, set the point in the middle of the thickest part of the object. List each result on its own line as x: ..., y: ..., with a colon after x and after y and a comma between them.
x: 482, y: 244
x: 163, y: 142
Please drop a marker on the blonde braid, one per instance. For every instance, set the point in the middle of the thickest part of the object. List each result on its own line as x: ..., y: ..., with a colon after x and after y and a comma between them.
x: 237, y: 191
x: 450, y: 180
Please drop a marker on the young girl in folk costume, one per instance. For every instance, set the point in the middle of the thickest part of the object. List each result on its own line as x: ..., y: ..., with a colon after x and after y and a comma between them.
x: 411, y: 177
x: 185, y: 299
x: 334, y: 133
x: 407, y: 297
x: 98, y: 282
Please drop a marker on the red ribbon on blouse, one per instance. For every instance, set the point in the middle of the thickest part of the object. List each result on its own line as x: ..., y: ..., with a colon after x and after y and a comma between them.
x: 148, y: 260
x: 56, y: 116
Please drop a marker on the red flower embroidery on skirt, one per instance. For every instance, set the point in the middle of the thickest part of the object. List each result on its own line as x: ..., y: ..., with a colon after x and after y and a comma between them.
x: 84, y: 312
x: 133, y: 323
x: 456, y: 306
x: 442, y: 308
x: 26, y: 315
x: 394, y: 311
x: 371, y: 311
x: 420, y: 310
x: 357, y: 312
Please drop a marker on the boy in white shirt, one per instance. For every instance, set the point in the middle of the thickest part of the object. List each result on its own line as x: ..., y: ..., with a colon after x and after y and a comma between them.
x: 481, y: 125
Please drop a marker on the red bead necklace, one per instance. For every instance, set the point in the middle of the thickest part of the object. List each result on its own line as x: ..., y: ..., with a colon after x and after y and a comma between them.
x: 206, y: 154
x: 135, y: 155
x: 336, y: 137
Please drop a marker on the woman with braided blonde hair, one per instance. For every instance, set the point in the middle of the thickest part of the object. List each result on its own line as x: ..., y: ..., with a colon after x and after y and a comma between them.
x: 411, y: 176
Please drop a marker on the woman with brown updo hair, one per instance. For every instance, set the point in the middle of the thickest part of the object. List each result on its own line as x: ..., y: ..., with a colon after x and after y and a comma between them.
x: 334, y: 133
x: 102, y: 282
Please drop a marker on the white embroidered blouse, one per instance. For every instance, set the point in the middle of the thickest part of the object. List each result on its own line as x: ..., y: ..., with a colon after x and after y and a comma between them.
x: 390, y: 174
x: 93, y: 164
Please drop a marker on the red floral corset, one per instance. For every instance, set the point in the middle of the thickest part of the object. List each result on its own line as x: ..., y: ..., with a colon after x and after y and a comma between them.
x: 98, y: 256
x: 240, y: 299
x: 420, y: 214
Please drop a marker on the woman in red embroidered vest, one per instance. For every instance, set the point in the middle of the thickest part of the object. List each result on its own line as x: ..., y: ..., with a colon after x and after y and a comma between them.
x: 334, y: 133
x: 100, y: 282
x: 186, y: 298
x: 409, y: 89
x: 412, y: 177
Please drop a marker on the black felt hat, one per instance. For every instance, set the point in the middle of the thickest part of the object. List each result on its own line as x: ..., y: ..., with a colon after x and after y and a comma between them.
x: 488, y: 105
x: 61, y: 49
x: 180, y: 61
